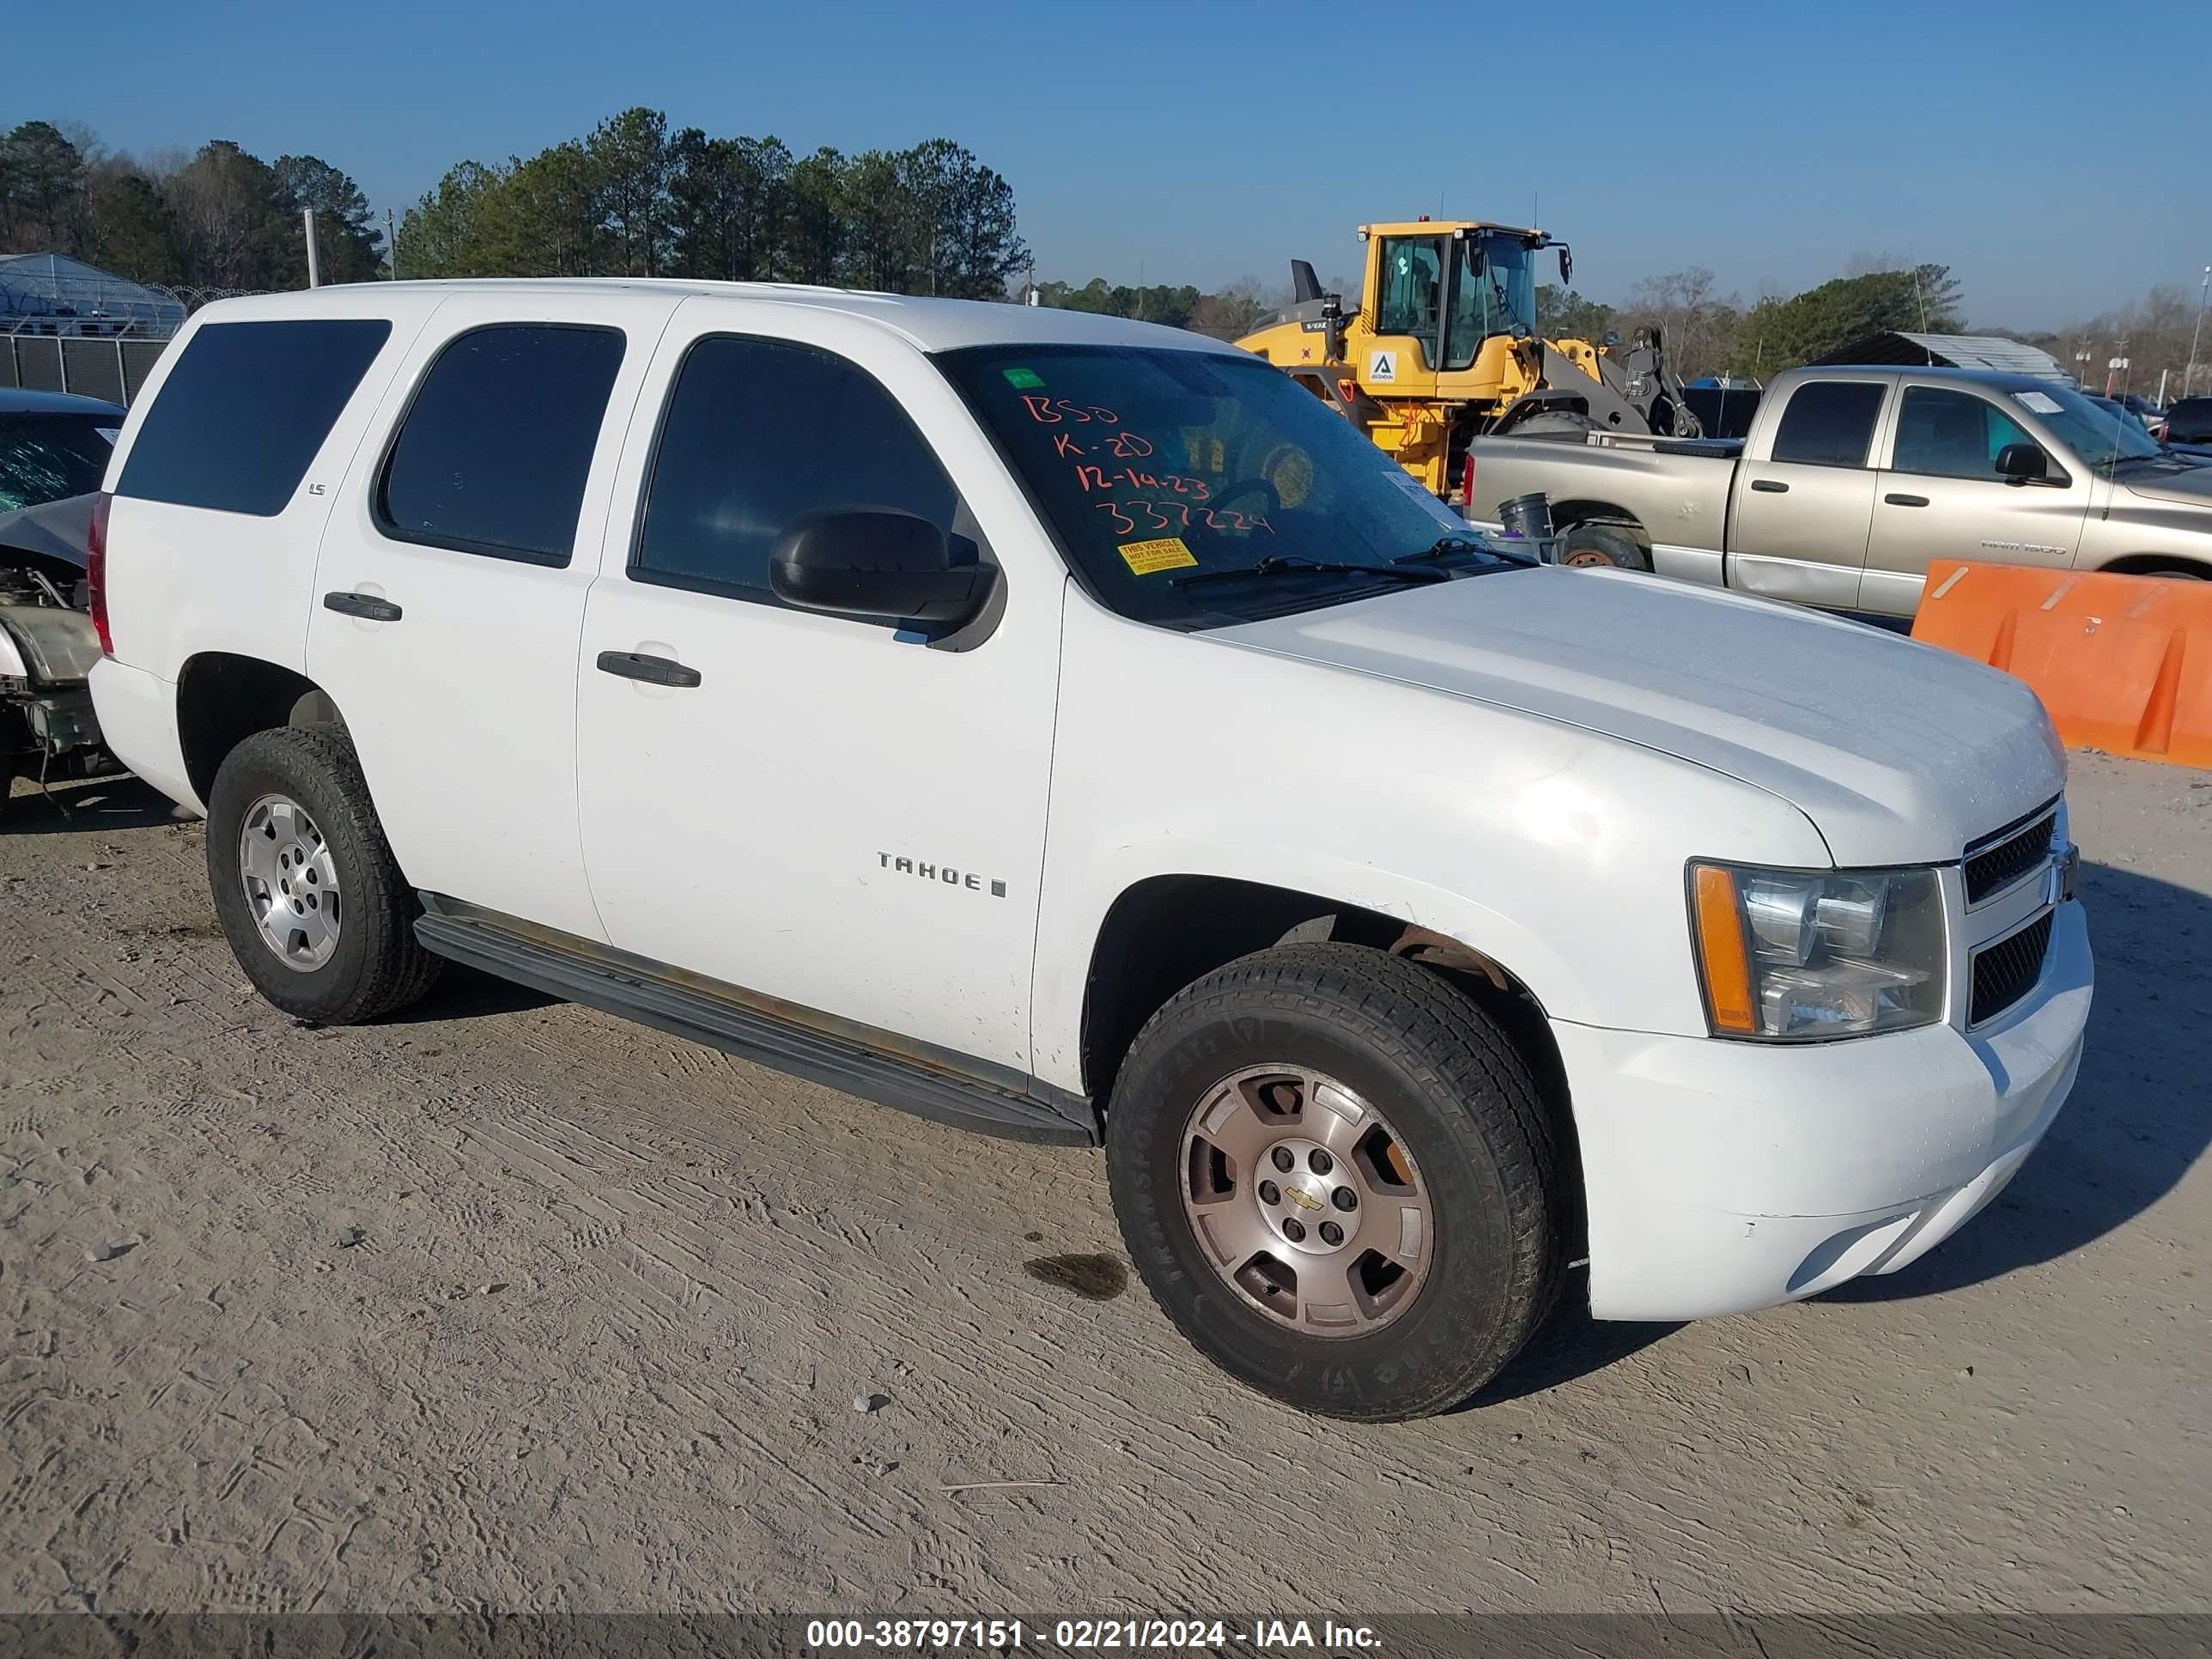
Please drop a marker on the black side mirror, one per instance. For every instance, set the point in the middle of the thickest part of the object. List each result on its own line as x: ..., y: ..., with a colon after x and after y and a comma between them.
x: 875, y: 562
x: 1567, y: 267
x: 2021, y: 464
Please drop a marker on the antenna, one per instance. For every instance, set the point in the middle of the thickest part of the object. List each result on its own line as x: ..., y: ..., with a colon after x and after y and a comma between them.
x: 1920, y: 298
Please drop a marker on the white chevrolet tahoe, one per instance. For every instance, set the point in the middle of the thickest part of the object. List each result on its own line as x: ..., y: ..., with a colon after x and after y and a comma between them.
x: 1071, y: 729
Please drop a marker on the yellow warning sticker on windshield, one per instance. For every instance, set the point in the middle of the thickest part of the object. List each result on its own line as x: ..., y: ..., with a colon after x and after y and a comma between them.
x: 1168, y: 553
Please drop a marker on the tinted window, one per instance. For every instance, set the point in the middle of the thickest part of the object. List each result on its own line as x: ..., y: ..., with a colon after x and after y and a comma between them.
x: 242, y: 413
x: 1953, y: 434
x: 1829, y: 424
x: 45, y: 457
x: 494, y: 449
x: 759, y: 435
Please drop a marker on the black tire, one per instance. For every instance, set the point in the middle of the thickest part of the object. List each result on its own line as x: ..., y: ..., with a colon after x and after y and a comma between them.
x: 377, y: 965
x: 14, y: 761
x: 1448, y: 1081
x: 1597, y: 544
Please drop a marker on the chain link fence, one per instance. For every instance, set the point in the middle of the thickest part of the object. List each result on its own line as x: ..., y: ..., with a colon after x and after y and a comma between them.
x: 111, y: 368
x: 92, y: 335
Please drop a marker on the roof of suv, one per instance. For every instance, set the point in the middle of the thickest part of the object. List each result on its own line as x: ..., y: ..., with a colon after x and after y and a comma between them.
x: 931, y: 324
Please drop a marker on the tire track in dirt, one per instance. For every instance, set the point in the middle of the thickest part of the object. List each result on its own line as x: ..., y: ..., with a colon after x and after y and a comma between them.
x: 614, y: 1295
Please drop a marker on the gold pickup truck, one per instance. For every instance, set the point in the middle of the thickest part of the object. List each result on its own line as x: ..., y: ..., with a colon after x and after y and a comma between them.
x: 1851, y: 480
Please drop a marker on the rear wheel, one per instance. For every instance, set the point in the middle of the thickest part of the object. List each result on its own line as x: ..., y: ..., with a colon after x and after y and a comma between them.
x: 304, y: 886
x: 1590, y: 545
x: 1335, y: 1176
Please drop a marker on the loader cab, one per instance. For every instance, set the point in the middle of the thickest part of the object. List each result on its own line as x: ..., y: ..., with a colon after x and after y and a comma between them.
x: 1450, y: 287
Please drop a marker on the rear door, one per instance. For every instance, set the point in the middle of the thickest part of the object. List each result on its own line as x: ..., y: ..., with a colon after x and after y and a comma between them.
x: 1804, y: 503
x: 448, y: 598
x: 1941, y: 497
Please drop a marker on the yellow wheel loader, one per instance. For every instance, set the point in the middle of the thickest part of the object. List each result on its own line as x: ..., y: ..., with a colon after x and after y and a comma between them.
x: 1442, y: 345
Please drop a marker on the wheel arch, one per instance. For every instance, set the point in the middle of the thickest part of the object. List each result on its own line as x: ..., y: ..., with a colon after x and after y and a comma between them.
x: 1164, y: 931
x: 1567, y: 514
x: 2158, y: 564
x: 224, y: 697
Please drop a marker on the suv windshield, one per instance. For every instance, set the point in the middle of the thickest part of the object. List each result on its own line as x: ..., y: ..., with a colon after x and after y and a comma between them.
x: 45, y: 457
x: 1153, y: 467
x: 2099, y: 437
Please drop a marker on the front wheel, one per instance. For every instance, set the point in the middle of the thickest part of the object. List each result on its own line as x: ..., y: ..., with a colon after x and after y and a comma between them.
x: 1336, y: 1176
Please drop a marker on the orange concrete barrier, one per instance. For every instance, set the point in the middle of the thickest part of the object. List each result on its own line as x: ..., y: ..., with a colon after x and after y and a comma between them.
x: 2122, y: 663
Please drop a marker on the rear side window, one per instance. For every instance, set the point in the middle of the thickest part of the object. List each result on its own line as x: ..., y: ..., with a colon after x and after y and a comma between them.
x: 1829, y: 424
x: 492, y: 454
x: 239, y: 420
x: 759, y: 435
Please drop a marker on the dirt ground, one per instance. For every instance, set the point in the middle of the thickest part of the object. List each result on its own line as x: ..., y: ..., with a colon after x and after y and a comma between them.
x: 506, y: 1303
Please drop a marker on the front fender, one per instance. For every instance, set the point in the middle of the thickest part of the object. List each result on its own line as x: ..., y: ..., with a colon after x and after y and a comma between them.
x: 1557, y: 852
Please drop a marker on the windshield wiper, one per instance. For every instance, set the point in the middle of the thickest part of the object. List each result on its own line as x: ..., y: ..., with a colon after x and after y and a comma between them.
x: 1278, y: 564
x: 2111, y: 464
x: 1451, y: 543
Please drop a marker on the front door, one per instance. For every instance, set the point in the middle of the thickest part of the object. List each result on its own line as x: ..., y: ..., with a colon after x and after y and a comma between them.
x: 1801, y: 513
x: 1941, y: 498
x: 1409, y: 302
x: 449, y: 593
x: 841, y: 816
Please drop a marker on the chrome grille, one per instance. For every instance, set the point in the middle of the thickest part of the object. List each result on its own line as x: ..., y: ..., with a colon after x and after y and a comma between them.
x: 1997, y: 863
x: 2007, y: 971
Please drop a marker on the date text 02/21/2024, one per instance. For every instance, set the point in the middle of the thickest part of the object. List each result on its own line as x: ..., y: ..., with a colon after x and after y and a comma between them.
x: 1089, y: 1635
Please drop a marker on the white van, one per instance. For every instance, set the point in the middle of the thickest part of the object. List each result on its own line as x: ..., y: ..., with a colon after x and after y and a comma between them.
x: 1070, y: 729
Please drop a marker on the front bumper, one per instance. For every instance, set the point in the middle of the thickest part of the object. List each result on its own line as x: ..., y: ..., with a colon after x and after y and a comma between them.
x: 1723, y: 1176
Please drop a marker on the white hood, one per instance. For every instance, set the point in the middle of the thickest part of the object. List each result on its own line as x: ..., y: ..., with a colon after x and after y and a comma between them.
x: 1898, y: 753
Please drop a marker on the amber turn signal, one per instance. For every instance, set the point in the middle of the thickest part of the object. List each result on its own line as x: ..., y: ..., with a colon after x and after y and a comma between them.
x: 1721, y: 949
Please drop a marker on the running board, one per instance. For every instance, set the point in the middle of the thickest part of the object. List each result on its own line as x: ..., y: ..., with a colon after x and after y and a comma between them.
x: 619, y: 984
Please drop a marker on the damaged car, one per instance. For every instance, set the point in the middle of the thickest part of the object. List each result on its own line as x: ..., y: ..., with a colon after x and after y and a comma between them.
x: 53, y: 449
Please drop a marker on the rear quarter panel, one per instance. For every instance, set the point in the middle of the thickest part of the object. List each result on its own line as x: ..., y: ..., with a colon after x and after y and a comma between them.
x: 1680, y: 500
x: 183, y: 579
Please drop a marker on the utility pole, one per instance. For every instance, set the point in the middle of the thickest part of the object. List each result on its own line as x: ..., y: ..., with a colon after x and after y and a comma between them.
x: 314, y: 273
x: 2202, y: 288
x: 2084, y: 357
x: 391, y: 246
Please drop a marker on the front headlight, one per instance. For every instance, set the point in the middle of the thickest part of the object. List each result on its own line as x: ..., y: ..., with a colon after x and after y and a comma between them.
x: 1798, y: 955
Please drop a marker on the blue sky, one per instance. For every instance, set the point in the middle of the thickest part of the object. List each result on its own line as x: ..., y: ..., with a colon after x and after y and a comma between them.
x: 2021, y: 144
